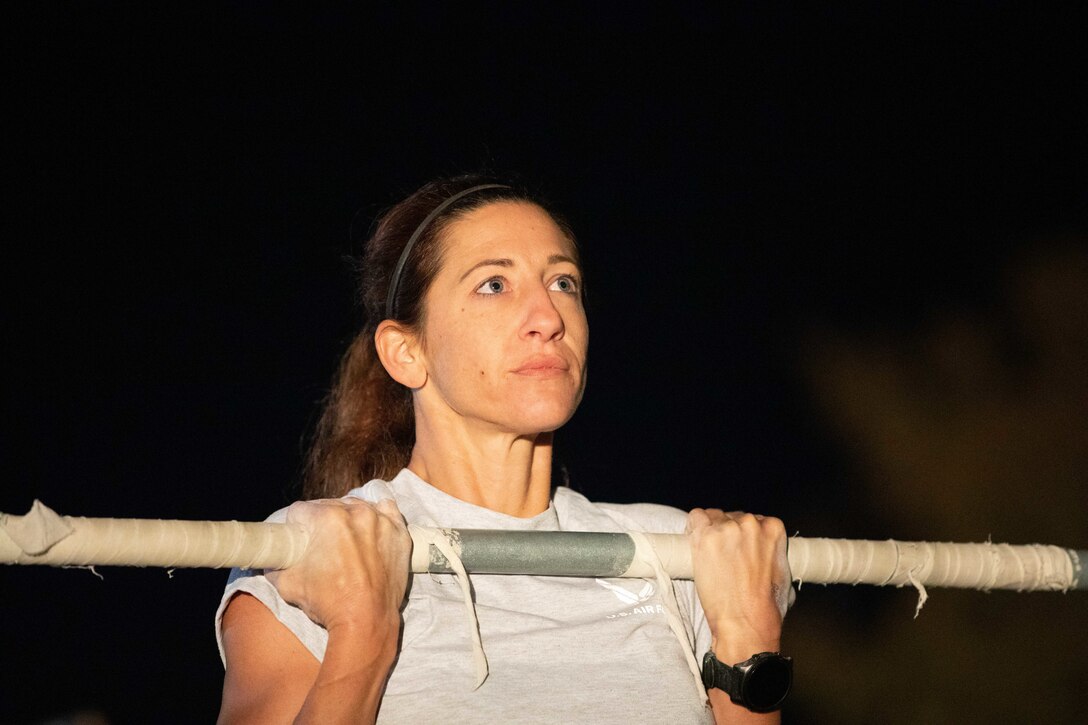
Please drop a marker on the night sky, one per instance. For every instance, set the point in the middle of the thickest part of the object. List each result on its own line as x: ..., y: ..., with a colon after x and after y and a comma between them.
x: 186, y: 183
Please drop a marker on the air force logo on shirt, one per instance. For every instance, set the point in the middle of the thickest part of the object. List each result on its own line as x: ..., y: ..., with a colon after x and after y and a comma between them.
x: 628, y: 597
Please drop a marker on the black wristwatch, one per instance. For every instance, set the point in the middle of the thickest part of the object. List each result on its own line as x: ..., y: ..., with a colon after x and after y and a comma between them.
x: 760, y: 683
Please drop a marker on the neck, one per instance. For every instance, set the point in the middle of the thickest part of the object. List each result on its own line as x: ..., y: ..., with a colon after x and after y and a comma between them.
x: 507, y: 473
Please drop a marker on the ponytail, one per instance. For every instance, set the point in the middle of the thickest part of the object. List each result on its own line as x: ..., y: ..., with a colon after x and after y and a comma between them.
x: 366, y: 430
x: 367, y: 427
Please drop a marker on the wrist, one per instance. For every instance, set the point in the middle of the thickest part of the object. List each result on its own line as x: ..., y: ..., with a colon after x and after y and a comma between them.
x: 760, y: 683
x: 732, y: 653
x: 352, y: 675
x: 378, y: 638
x: 733, y: 641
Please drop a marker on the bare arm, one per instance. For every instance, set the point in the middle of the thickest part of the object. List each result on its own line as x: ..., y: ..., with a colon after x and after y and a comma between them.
x: 737, y: 560
x: 352, y: 581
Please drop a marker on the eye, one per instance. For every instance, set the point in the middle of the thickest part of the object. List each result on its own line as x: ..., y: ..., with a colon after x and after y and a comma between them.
x: 493, y: 286
x: 565, y: 283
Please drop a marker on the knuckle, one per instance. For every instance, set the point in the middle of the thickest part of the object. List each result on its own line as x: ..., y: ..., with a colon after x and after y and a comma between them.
x: 298, y: 510
x: 775, y: 526
x: 362, y: 511
x: 747, y: 521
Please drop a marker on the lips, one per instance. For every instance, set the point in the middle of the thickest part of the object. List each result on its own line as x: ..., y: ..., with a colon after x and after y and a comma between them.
x: 543, y: 365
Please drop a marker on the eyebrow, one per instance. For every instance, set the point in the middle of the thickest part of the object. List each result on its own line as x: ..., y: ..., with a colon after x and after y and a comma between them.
x: 487, y: 263
x: 557, y: 258
x: 553, y: 259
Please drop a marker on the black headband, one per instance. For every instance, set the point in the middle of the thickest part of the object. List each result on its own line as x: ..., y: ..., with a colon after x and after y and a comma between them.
x: 394, y: 283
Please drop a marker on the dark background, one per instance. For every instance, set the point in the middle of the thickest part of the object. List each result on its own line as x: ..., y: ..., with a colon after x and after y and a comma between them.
x: 751, y: 185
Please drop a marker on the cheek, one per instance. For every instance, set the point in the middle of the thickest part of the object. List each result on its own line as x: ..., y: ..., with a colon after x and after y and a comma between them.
x: 466, y: 357
x: 577, y: 326
x: 581, y: 342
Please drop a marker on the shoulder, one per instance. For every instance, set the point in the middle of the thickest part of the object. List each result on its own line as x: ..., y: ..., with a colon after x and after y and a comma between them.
x: 648, y: 517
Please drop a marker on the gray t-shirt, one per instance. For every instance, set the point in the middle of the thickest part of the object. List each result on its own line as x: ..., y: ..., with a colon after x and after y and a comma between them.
x: 559, y: 649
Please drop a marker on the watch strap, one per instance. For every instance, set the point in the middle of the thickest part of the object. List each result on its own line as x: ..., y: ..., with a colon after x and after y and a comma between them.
x: 760, y: 683
x: 720, y: 675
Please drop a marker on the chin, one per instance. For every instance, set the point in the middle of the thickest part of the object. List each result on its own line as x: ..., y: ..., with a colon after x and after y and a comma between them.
x: 541, y: 416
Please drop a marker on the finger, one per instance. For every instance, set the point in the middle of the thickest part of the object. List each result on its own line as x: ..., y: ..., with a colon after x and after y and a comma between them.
x: 774, y: 524
x: 298, y: 512
x: 746, y: 518
x: 697, y: 519
x: 388, y: 507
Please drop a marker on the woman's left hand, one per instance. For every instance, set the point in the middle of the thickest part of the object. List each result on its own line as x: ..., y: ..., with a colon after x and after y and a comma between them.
x: 743, y: 580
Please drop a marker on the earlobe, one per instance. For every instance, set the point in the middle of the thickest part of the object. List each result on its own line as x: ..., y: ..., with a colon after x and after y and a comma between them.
x: 399, y: 354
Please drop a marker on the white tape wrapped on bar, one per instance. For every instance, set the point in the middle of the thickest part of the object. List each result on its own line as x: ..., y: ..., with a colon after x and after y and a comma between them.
x: 44, y: 537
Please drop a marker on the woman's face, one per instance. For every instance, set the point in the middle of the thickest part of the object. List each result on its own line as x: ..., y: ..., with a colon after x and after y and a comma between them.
x: 505, y: 331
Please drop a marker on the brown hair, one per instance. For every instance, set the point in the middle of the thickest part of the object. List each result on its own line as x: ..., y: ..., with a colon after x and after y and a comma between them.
x: 367, y: 427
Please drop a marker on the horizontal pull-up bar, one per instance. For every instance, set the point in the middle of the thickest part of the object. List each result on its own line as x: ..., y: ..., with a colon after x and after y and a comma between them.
x: 44, y: 537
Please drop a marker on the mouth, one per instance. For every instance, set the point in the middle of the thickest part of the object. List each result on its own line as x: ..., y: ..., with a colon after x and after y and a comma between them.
x: 543, y: 366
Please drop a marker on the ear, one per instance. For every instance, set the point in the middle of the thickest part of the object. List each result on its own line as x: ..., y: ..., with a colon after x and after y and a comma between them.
x: 399, y: 353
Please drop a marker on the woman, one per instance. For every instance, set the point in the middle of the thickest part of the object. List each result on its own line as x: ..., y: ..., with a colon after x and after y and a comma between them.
x: 443, y: 414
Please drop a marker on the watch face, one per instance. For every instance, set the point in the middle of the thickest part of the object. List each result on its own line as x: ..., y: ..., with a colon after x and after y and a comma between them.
x: 768, y: 683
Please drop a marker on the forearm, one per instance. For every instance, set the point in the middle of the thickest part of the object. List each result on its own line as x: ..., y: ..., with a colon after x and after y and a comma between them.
x: 741, y: 573
x: 352, y: 677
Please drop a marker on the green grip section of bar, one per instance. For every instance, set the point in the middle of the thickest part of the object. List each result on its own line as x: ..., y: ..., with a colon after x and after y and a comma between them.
x: 538, y: 553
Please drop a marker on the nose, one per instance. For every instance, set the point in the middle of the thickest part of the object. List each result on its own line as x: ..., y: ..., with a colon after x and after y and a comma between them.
x: 542, y: 318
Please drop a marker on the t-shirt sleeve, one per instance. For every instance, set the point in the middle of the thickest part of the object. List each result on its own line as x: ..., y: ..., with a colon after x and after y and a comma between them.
x: 253, y: 582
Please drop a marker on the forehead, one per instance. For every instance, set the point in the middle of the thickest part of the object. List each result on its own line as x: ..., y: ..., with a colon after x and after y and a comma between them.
x: 510, y: 227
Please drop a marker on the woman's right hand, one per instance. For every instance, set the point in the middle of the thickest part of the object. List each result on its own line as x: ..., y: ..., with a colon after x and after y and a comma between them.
x: 351, y: 579
x: 354, y: 572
